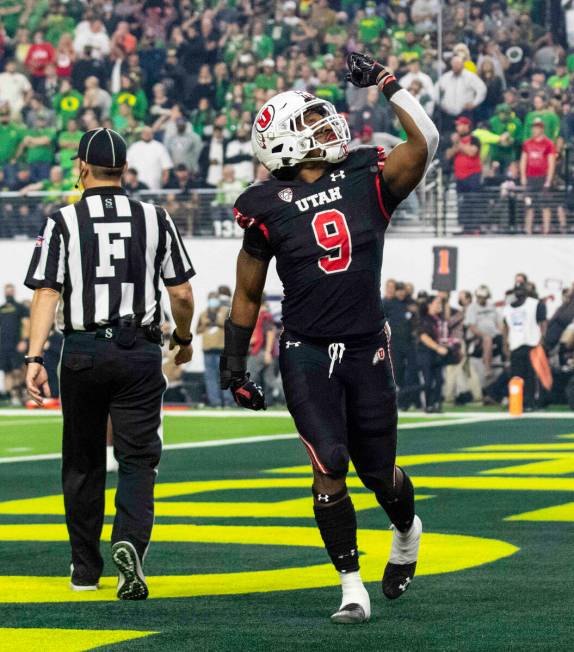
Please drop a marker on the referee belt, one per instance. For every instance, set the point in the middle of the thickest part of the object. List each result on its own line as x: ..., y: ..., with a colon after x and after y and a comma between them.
x: 151, y: 333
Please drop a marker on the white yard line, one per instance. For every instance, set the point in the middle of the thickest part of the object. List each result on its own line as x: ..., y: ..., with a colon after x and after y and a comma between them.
x: 27, y: 422
x: 10, y: 412
x: 431, y: 422
x: 222, y: 414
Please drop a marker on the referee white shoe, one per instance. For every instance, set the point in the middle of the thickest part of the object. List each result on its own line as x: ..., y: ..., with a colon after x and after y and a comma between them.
x: 78, y: 585
x: 131, y: 580
x: 112, y: 465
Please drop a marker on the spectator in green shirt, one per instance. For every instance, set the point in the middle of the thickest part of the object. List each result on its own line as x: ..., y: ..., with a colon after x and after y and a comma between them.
x: 67, y: 103
x: 11, y: 135
x: 10, y: 12
x: 37, y: 148
x: 55, y: 184
x: 546, y: 114
x: 410, y: 49
x: 202, y: 117
x: 267, y: 80
x: 337, y: 35
x: 488, y: 139
x: 131, y: 93
x: 262, y: 43
x: 504, y: 121
x: 371, y: 27
x: 328, y: 89
x: 400, y: 29
x: 68, y: 142
x: 58, y: 22
x: 560, y: 79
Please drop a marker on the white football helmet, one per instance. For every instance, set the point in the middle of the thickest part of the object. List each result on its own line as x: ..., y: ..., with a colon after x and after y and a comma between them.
x: 281, y: 138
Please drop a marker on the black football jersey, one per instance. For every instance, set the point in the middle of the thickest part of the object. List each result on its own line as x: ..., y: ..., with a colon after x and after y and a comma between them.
x: 328, y: 238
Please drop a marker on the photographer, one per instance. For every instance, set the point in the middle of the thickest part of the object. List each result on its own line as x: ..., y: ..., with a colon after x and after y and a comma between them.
x: 431, y: 354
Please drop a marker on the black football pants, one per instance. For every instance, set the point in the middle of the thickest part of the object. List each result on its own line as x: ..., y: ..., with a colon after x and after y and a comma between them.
x: 351, y: 415
x: 97, y: 379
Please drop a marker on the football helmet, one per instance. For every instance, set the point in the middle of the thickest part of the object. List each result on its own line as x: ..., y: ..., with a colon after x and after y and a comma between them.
x: 282, y: 138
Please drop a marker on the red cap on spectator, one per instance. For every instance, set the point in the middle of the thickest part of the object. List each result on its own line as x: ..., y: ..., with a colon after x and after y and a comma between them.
x: 463, y: 120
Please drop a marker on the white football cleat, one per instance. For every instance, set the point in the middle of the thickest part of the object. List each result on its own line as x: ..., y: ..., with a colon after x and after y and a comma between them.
x: 356, y: 605
x: 402, y: 563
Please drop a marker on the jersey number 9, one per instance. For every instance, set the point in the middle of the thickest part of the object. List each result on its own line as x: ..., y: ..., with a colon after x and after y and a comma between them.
x: 332, y: 234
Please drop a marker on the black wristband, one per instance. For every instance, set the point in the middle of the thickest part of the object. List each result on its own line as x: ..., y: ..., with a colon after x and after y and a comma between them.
x: 37, y: 359
x: 389, y: 87
x: 237, y: 339
x: 181, y: 341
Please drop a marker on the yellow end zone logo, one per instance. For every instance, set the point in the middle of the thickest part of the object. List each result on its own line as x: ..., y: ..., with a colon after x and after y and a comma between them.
x: 533, y: 467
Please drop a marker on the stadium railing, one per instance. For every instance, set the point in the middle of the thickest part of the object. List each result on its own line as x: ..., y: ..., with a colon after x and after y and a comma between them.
x: 434, y: 209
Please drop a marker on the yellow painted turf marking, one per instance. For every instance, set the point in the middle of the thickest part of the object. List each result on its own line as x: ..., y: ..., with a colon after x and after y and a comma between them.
x: 558, y: 513
x: 55, y: 504
x: 564, y: 457
x: 295, y: 508
x: 560, y: 446
x: 60, y: 640
x: 440, y: 553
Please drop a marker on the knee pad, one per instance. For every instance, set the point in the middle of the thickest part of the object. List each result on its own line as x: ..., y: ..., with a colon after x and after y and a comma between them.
x: 338, y: 461
x: 332, y: 461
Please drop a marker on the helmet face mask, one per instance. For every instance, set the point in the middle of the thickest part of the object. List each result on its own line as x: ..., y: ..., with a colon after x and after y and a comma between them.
x: 283, y: 134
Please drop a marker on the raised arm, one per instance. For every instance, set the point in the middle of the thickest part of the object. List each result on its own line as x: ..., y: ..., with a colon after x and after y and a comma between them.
x: 251, y: 275
x: 407, y: 163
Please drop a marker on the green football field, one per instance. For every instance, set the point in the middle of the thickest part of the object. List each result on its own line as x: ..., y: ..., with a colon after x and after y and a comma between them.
x: 236, y: 562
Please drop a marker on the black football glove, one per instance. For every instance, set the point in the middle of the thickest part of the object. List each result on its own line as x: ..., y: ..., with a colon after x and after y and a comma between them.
x: 233, y: 376
x: 364, y: 71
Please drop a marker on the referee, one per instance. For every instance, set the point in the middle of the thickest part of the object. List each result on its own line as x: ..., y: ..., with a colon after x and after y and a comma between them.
x: 103, y: 258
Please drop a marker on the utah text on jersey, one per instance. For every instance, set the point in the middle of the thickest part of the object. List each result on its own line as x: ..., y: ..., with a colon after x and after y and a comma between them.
x: 328, y: 243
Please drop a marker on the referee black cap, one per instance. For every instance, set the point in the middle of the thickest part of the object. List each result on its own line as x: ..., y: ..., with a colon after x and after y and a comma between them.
x: 103, y: 147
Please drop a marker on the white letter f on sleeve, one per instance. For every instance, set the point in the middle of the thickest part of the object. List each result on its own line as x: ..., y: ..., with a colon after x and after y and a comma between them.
x: 111, y: 248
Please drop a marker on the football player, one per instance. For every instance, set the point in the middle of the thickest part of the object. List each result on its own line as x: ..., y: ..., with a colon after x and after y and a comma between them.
x: 323, y: 214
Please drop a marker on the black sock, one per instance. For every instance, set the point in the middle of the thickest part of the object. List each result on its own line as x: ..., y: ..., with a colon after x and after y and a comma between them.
x: 401, y: 507
x: 338, y: 526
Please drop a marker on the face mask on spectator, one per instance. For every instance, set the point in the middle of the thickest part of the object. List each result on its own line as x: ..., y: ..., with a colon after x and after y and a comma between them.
x: 213, y: 304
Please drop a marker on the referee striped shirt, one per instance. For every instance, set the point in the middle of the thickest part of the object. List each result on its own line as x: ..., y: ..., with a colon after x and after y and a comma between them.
x: 106, y: 254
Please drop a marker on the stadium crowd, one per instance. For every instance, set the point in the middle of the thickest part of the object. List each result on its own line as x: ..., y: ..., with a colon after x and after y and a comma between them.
x: 182, y: 81
x: 446, y: 348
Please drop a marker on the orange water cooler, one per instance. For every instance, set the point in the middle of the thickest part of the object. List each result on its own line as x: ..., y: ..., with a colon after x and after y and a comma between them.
x: 515, y: 396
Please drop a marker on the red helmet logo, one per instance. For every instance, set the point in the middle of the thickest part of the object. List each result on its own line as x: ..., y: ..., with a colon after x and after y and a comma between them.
x: 265, y: 117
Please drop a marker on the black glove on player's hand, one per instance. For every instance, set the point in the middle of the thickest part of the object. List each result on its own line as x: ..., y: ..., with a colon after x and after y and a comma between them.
x: 363, y: 70
x: 248, y: 394
x: 233, y: 376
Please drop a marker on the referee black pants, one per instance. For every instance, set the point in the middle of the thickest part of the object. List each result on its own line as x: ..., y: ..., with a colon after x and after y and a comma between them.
x: 98, y: 378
